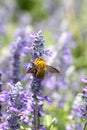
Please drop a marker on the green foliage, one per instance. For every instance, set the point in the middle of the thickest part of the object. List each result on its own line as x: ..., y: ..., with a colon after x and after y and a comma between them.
x: 83, y: 19
x: 35, y: 7
x: 24, y: 126
x: 48, y: 38
x: 80, y: 54
x: 56, y: 120
x: 27, y: 4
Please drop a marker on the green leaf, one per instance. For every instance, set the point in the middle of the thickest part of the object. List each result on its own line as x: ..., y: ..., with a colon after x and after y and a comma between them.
x: 47, y: 120
x: 24, y: 126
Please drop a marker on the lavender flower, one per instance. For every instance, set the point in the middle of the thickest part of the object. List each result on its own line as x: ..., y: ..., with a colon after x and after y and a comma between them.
x: 3, y: 99
x: 84, y: 108
x: 17, y: 48
x: 16, y: 62
x: 37, y: 51
x: 36, y: 88
x: 15, y: 105
x: 80, y: 107
x: 4, y: 126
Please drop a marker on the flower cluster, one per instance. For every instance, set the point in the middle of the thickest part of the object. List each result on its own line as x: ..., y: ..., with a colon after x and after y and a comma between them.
x: 16, y: 104
x: 82, y: 111
x: 24, y: 106
x: 79, y: 108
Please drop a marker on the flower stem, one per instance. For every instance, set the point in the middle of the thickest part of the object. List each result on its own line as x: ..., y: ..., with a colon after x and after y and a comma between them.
x: 36, y: 116
x: 36, y: 87
x: 85, y: 126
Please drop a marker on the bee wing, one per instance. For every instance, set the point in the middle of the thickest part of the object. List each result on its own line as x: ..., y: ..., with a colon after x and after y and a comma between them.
x: 31, y: 70
x: 52, y: 69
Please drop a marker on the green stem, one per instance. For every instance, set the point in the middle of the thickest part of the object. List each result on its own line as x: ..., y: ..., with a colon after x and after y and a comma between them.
x: 85, y: 126
x: 36, y: 116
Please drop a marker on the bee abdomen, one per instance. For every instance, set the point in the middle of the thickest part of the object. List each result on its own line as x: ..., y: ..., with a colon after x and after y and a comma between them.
x: 40, y: 73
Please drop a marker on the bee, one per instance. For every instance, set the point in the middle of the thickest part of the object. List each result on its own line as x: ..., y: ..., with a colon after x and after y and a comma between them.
x: 40, y: 68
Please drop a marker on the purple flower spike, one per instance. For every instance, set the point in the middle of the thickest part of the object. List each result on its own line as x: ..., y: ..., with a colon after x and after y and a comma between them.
x: 16, y: 104
x: 82, y: 110
x: 36, y: 87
